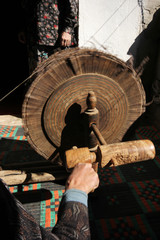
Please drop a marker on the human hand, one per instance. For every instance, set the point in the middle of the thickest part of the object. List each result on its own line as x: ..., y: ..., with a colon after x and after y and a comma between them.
x: 65, y: 39
x: 83, y: 178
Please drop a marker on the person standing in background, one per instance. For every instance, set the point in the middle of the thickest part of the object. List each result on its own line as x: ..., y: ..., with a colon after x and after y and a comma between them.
x: 47, y: 25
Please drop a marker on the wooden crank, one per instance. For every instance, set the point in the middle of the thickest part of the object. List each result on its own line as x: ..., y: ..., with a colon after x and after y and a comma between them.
x: 112, y: 154
x: 106, y: 155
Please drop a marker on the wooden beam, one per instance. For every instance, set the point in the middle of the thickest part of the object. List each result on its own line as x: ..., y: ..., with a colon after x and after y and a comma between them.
x: 16, y: 177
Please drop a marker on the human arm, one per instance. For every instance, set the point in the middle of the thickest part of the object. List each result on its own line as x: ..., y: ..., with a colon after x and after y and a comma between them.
x: 73, y: 213
x: 73, y: 220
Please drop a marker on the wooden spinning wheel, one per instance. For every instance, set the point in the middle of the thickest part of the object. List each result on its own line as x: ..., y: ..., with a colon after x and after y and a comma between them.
x: 54, y: 104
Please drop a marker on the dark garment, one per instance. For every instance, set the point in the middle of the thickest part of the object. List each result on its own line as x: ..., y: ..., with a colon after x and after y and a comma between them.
x: 18, y: 224
x: 47, y: 19
x: 72, y: 222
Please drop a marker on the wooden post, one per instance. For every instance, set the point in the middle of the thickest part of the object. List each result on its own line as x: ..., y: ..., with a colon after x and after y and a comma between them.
x: 91, y: 116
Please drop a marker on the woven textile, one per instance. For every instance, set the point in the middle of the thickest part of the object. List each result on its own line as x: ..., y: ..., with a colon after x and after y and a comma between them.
x: 14, y: 147
x: 9, y: 132
x: 127, y: 203
x: 41, y: 200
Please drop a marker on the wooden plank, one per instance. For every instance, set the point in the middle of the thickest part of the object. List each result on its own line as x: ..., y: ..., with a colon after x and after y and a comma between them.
x: 16, y: 177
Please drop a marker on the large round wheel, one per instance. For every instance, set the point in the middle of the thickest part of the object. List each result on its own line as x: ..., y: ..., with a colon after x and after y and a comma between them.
x: 55, y: 101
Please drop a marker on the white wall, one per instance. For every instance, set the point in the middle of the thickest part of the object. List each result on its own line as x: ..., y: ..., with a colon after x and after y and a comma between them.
x: 109, y: 25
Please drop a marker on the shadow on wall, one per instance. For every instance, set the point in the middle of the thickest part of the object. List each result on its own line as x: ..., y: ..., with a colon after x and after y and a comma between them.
x: 147, y: 45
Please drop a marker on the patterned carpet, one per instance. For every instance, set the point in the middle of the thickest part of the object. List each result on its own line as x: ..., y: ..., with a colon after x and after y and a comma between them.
x: 125, y: 206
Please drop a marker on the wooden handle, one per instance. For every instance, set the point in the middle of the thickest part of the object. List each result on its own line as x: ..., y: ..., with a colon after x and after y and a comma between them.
x: 125, y: 152
x: 116, y: 154
x: 79, y: 155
